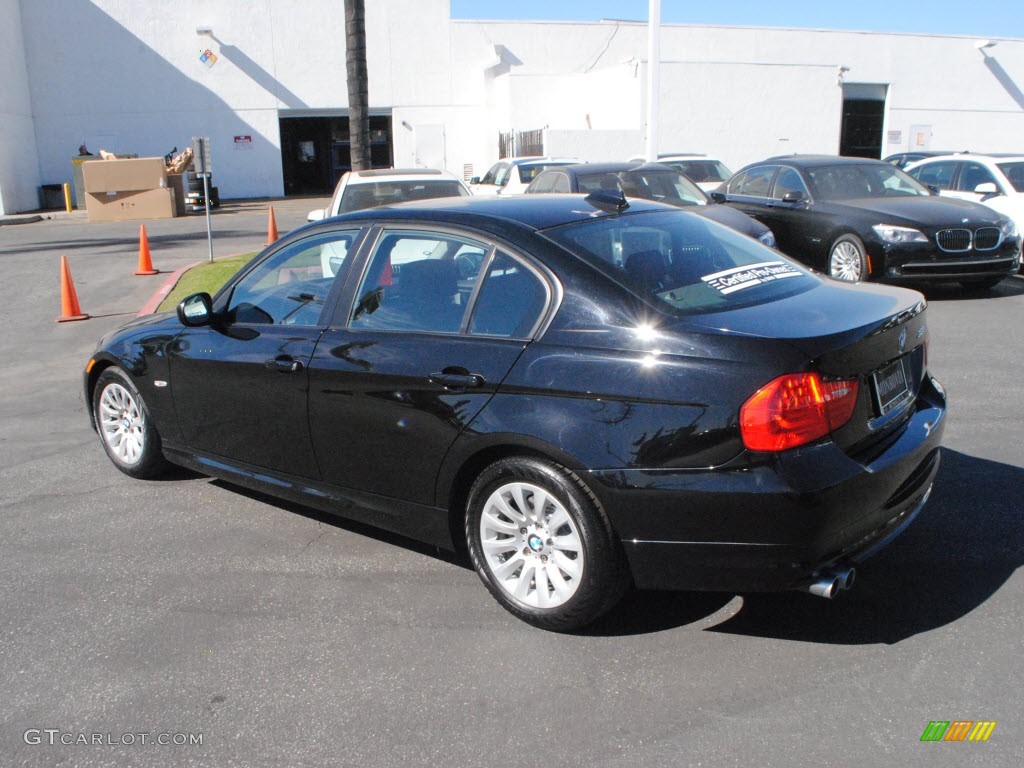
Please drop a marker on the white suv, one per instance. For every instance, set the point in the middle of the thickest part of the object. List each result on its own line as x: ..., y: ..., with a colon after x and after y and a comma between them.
x: 513, y: 175
x: 993, y: 180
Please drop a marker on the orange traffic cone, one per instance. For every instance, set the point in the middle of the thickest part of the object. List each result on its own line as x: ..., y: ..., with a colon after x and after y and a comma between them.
x: 271, y: 228
x: 145, y: 262
x: 69, y: 309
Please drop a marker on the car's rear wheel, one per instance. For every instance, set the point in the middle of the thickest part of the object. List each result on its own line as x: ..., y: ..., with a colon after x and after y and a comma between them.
x: 126, y: 432
x: 847, y: 259
x: 542, y: 545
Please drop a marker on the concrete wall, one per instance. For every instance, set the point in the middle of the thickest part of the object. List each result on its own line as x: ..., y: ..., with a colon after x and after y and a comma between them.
x: 128, y: 79
x: 19, y: 163
x: 745, y: 93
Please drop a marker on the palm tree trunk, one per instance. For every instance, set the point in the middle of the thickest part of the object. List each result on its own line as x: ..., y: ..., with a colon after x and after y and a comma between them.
x: 358, y: 84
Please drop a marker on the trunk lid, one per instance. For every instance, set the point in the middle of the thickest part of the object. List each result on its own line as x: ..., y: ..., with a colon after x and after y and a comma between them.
x: 871, y: 333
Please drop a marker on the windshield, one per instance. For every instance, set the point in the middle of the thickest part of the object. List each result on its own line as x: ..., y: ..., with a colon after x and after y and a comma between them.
x: 358, y: 197
x: 497, y: 174
x: 853, y: 181
x: 664, y: 186
x: 1014, y: 173
x: 686, y: 263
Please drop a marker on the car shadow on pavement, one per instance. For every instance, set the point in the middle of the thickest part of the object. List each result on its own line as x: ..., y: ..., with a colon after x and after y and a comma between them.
x: 1008, y: 288
x: 963, y: 547
x: 352, y: 526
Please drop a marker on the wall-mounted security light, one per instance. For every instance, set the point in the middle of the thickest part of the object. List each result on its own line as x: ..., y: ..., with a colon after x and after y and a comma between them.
x: 204, y: 31
x: 982, y: 44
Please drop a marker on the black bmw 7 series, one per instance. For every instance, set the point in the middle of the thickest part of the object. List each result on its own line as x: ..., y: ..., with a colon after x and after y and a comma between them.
x: 859, y: 219
x: 583, y: 392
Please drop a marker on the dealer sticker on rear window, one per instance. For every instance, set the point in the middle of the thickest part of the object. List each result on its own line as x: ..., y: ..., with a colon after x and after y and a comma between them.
x: 738, y: 278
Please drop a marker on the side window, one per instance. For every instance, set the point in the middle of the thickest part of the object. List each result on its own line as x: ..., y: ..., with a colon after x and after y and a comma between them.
x: 788, y: 181
x: 972, y: 174
x: 290, y: 287
x: 755, y: 182
x: 510, y: 301
x: 561, y: 183
x: 938, y: 175
x: 542, y: 183
x: 418, y: 282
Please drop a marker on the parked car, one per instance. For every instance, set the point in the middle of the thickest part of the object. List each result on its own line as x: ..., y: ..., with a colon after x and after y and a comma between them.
x: 708, y: 173
x: 650, y: 181
x: 903, y: 159
x: 513, y: 175
x: 617, y: 392
x: 858, y: 219
x: 357, y: 190
x: 993, y: 180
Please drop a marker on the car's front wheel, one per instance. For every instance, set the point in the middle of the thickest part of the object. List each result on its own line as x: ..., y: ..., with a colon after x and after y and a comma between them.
x: 542, y: 545
x: 848, y: 259
x: 126, y: 432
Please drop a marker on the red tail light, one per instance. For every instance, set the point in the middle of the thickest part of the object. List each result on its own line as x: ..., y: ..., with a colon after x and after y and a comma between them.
x: 794, y: 410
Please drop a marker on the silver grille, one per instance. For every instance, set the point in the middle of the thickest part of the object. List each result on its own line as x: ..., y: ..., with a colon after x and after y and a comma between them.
x: 954, y: 240
x: 987, y: 239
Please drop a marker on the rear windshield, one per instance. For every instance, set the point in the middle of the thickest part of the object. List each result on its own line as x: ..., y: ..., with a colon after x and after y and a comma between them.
x: 528, y: 171
x: 664, y: 186
x: 684, y: 262
x: 700, y: 171
x: 358, y: 197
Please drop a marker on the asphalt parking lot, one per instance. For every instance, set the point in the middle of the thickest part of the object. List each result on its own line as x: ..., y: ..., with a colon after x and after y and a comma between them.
x: 186, y: 610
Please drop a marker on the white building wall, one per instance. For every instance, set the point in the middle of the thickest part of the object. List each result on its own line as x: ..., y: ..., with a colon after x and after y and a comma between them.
x: 744, y: 93
x: 19, y: 163
x: 128, y: 79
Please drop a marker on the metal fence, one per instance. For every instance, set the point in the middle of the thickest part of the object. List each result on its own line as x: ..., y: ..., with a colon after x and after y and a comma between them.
x: 521, y: 143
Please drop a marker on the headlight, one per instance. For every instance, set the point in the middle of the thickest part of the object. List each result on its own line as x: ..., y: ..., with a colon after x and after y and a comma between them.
x: 768, y: 238
x: 1009, y: 228
x: 893, y: 234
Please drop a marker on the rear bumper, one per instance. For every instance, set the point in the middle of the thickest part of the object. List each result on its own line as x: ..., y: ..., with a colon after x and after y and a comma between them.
x: 770, y: 527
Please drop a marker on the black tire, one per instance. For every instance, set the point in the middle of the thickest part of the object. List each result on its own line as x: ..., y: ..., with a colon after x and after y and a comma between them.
x: 125, y: 429
x: 981, y: 285
x: 847, y: 259
x: 588, y: 563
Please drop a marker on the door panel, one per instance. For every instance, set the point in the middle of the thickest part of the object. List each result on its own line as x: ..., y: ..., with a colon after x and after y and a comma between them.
x: 240, y: 384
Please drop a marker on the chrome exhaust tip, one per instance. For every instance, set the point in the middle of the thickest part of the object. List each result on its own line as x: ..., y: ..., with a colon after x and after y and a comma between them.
x: 830, y: 582
x: 827, y: 586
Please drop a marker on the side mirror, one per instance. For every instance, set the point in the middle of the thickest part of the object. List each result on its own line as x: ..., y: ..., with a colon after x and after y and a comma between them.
x: 718, y: 197
x: 475, y: 180
x: 793, y: 197
x: 988, y: 190
x: 195, y: 310
x: 316, y: 215
x: 933, y: 189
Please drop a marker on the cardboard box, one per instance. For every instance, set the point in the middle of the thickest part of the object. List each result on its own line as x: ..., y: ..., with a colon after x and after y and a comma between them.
x: 125, y: 206
x: 124, y: 175
x: 178, y: 182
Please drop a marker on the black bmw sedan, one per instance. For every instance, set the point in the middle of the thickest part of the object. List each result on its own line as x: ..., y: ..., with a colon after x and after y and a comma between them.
x: 581, y: 392
x: 650, y: 181
x: 858, y: 219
